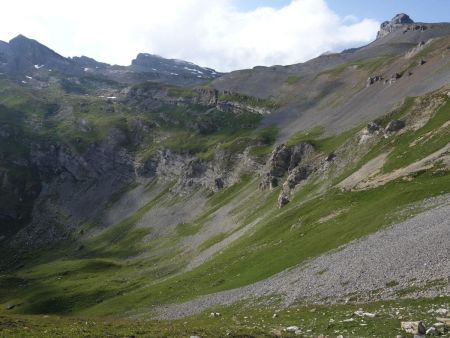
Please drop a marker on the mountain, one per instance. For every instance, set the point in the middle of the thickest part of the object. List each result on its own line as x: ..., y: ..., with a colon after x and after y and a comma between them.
x: 311, y: 199
x: 323, y: 81
x: 26, y: 57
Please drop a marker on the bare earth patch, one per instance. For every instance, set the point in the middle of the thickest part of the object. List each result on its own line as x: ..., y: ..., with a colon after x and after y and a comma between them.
x: 368, y: 170
x: 442, y: 155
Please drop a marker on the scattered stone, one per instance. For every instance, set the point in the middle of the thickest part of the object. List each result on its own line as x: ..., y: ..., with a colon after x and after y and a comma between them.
x: 432, y: 331
x: 414, y: 327
x: 276, y: 332
x: 194, y: 337
x: 441, y: 328
x: 395, y: 125
x: 331, y: 157
x: 292, y: 328
x: 441, y: 312
x: 422, y: 62
x: 10, y: 306
x: 372, y: 79
x: 274, y: 315
x: 361, y: 313
x: 214, y: 314
x: 444, y: 320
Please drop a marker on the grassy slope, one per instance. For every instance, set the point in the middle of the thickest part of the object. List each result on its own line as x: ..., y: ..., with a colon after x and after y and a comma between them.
x: 282, y: 238
x: 238, y: 321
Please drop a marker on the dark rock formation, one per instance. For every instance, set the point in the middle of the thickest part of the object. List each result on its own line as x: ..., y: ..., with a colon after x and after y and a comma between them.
x: 372, y: 127
x: 395, y: 125
x: 278, y: 164
x: 293, y: 161
x: 372, y: 79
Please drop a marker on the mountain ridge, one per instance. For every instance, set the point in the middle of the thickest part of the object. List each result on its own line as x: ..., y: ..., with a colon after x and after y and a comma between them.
x: 27, y: 56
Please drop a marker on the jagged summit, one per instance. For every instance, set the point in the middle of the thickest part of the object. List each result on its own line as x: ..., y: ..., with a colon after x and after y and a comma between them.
x: 397, y: 21
x: 401, y: 19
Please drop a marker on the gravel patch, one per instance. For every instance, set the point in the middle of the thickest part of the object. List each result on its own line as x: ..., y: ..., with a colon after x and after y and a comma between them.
x: 411, y: 255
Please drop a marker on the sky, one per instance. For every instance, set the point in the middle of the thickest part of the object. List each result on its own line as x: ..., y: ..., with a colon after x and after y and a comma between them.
x: 221, y: 34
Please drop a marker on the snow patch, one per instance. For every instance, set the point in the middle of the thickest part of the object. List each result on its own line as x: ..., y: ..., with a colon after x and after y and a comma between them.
x: 38, y: 66
x: 193, y: 70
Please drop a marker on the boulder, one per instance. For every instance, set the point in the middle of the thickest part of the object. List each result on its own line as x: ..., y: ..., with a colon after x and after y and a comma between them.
x: 441, y: 328
x: 446, y: 321
x: 414, y: 327
x: 361, y: 313
x: 432, y: 331
x: 441, y: 312
x: 331, y: 157
x: 219, y: 184
x: 292, y: 328
x: 395, y: 125
x: 372, y: 127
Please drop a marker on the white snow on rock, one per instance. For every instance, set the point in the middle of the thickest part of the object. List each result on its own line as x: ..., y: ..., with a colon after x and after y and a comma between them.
x: 193, y: 70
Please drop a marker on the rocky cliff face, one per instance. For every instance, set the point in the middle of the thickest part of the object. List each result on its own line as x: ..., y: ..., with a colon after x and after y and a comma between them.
x: 70, y: 187
x: 152, y: 96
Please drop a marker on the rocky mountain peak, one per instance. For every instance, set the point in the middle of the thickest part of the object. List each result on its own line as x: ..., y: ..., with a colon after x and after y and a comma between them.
x: 401, y: 19
x: 397, y: 22
x: 28, y: 52
x: 145, y: 62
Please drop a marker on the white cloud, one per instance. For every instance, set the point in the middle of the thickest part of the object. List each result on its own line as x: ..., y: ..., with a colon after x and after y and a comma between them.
x: 210, y: 33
